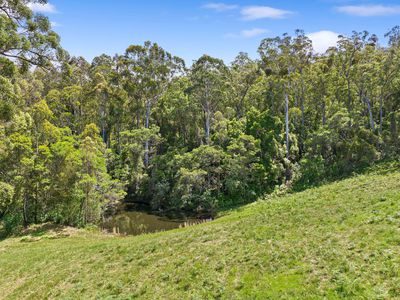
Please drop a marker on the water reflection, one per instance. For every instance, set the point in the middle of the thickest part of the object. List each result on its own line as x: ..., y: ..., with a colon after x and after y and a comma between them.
x: 135, y: 223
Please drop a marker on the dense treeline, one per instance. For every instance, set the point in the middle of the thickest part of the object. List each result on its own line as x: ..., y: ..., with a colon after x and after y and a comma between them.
x: 77, y: 138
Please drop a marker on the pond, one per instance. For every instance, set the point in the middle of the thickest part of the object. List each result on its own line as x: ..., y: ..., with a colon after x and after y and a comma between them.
x: 138, y: 222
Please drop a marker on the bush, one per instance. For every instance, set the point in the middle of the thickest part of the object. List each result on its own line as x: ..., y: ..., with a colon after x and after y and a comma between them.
x: 13, y: 223
x: 6, y: 196
x: 312, y: 172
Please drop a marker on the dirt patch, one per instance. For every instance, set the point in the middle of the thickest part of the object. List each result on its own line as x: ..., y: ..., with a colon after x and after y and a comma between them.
x: 48, y: 228
x: 38, y: 232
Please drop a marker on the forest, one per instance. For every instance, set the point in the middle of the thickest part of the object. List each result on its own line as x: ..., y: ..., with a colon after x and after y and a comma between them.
x: 78, y: 138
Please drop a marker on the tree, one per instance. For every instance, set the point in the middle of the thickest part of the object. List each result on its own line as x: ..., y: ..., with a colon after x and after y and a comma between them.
x: 389, y: 88
x: 209, y: 77
x: 97, y: 187
x: 199, y: 176
x: 27, y: 37
x: 277, y: 60
x: 6, y: 197
x: 302, y: 52
x: 244, y: 73
x: 151, y: 69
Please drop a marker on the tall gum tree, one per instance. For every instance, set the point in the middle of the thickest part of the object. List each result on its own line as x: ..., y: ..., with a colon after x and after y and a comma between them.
x: 209, y: 77
x: 302, y: 56
x: 151, y: 70
x: 390, y: 69
x: 27, y: 37
x: 278, y: 61
x: 243, y: 74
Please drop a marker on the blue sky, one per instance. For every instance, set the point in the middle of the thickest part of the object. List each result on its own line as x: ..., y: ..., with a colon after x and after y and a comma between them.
x: 219, y: 28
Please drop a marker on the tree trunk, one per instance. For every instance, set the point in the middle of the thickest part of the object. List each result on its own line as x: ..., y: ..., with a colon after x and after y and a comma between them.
x: 240, y: 106
x: 103, y: 119
x: 137, y: 114
x: 104, y: 134
x: 118, y: 127
x: 349, y: 101
x: 302, y: 113
x: 25, y: 211
x: 288, y: 175
x: 393, y: 126
x: 323, y: 112
x: 147, y: 124
x: 36, y: 203
x: 208, y: 122
x: 381, y: 115
x: 371, y: 117
x: 85, y: 207
x: 302, y: 99
x: 287, y: 125
x: 37, y: 183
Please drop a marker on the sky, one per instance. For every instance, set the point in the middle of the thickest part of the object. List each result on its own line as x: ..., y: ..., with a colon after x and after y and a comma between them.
x: 191, y: 28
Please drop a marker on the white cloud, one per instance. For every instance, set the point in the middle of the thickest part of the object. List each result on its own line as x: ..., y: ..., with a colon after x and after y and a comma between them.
x: 369, y: 10
x: 42, y: 8
x: 247, y: 34
x: 253, y: 32
x: 264, y: 12
x: 220, y: 6
x: 55, y: 24
x: 323, y: 40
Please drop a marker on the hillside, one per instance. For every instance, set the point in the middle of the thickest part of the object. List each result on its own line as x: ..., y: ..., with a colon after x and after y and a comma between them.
x: 341, y: 240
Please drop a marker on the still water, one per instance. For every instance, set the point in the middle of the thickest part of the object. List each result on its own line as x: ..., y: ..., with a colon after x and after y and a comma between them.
x: 136, y: 222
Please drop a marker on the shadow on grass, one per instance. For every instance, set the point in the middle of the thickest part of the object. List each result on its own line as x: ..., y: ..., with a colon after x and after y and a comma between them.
x: 42, y: 229
x: 35, y: 231
x: 382, y: 167
x: 3, y: 234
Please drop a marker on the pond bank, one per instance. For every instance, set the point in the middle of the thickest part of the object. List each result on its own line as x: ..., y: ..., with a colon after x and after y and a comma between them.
x: 138, y: 220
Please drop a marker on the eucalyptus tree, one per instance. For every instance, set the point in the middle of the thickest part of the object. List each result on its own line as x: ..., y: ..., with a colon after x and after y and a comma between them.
x: 363, y: 71
x: 243, y: 73
x: 150, y: 69
x: 389, y: 79
x: 26, y: 40
x: 97, y: 189
x: 302, y: 55
x: 319, y: 75
x: 347, y: 51
x: 278, y: 61
x: 209, y: 77
x: 179, y: 120
x: 40, y: 179
x: 27, y: 37
x: 108, y: 95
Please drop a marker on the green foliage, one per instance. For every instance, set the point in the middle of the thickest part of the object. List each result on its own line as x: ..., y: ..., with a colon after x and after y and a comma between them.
x: 9, y: 98
x: 27, y: 37
x: 343, y: 148
x: 12, y: 223
x: 269, y: 131
x: 199, y: 178
x: 6, y: 196
x: 246, y: 175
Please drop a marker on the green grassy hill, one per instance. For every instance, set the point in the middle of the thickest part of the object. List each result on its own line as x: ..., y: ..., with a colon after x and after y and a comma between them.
x: 341, y: 240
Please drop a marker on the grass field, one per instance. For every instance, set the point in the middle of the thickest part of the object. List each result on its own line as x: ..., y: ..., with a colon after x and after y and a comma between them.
x: 341, y: 240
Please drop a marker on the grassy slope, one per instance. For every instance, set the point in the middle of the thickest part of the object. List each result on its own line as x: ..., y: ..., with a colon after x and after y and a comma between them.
x: 339, y: 240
